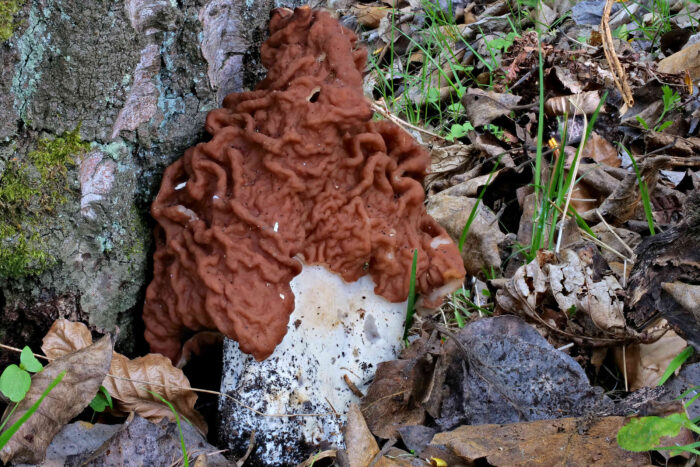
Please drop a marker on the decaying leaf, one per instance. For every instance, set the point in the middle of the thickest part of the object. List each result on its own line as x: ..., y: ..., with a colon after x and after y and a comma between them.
x: 388, y: 404
x: 169, y: 382
x: 515, y: 377
x: 686, y: 59
x: 447, y: 161
x: 370, y: 15
x: 141, y: 442
x: 567, y: 441
x: 85, y: 371
x: 485, y: 106
x: 65, y: 337
x: 646, y: 363
x: 580, y: 104
x: 360, y: 445
x: 481, y: 246
x: 574, y: 285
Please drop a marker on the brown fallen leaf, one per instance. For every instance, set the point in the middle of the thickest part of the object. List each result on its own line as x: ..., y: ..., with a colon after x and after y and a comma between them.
x: 369, y: 16
x: 388, y: 404
x: 581, y: 103
x: 85, y: 371
x: 65, y: 337
x: 566, y: 441
x: 168, y: 381
x: 360, y: 445
x: 481, y: 246
x: 646, y: 363
x: 485, y: 106
x: 577, y: 287
x: 686, y: 59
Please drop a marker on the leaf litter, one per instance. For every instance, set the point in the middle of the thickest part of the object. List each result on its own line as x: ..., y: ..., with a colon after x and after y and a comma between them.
x: 610, y: 284
x: 582, y: 246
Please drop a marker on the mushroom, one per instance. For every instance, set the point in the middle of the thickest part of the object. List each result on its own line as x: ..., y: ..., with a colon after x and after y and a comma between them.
x: 296, y: 173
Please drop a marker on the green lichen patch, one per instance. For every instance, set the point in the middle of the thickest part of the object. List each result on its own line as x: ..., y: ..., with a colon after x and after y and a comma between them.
x: 31, y: 188
x: 8, y: 9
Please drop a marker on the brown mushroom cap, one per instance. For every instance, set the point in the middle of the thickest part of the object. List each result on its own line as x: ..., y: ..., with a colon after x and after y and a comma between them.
x: 295, y: 170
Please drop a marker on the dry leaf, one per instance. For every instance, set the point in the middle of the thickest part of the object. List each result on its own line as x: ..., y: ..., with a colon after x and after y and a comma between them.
x: 570, y: 282
x: 567, y: 441
x: 141, y: 442
x: 130, y: 396
x: 369, y: 15
x: 581, y: 103
x: 388, y: 405
x: 481, y: 246
x: 65, y: 337
x: 600, y: 150
x: 686, y: 295
x: 686, y: 59
x: 360, y: 445
x: 646, y: 363
x: 485, y: 106
x: 85, y: 371
x: 158, y: 369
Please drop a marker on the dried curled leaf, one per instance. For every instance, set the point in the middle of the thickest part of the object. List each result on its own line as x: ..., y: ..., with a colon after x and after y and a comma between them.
x: 65, y: 337
x: 172, y: 384
x: 570, y: 283
x: 168, y: 381
x: 85, y: 371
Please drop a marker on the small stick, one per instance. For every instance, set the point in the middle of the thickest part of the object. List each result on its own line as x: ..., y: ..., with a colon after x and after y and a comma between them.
x: 612, y: 231
x: 354, y: 389
x: 385, y: 112
x: 251, y: 445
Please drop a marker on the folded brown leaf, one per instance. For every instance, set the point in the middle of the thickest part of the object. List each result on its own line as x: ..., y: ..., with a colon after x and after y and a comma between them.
x: 85, y: 371
x: 153, y: 372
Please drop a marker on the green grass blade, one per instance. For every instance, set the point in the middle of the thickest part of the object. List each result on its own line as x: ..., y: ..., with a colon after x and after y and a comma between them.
x: 7, y: 435
x: 179, y: 427
x: 675, y: 364
x: 538, y: 224
x: 644, y: 192
x: 411, y: 297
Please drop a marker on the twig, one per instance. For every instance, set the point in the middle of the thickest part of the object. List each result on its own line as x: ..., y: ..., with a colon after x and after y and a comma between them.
x: 251, y: 445
x: 204, y: 391
x: 613, y: 62
x: 612, y: 231
x: 317, y: 457
x: 354, y: 389
x: 15, y: 349
x: 624, y: 366
x: 386, y: 113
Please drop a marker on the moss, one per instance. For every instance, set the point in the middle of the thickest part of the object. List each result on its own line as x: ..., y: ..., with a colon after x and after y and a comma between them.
x: 21, y: 253
x: 16, y: 189
x: 8, y: 9
x: 53, y: 156
x: 30, y: 189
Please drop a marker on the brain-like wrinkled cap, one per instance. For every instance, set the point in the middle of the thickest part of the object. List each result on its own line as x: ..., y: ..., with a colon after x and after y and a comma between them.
x: 295, y: 170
